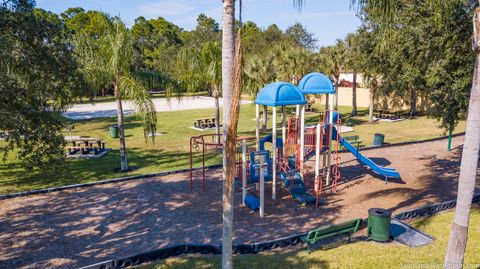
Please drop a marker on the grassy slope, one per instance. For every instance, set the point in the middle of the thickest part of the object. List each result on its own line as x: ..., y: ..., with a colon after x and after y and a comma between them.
x: 170, y: 151
x: 356, y: 255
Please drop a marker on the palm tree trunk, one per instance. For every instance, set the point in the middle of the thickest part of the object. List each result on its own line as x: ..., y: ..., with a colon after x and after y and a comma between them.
x: 371, y: 103
x: 468, y: 168
x: 413, y: 102
x: 354, y: 94
x: 217, y: 112
x: 228, y: 47
x: 123, y: 148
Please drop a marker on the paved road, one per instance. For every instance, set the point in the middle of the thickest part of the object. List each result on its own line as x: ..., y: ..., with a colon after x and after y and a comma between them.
x: 108, y: 109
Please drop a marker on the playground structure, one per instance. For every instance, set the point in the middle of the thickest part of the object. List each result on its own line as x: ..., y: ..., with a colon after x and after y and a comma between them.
x: 287, y: 156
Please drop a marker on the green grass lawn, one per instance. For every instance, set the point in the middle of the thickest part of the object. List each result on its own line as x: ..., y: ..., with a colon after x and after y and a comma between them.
x: 170, y: 151
x: 360, y: 254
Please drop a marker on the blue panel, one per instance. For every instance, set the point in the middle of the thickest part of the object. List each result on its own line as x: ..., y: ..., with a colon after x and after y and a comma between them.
x: 280, y: 94
x: 316, y: 83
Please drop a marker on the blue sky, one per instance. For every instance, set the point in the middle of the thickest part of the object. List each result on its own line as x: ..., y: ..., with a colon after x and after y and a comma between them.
x: 327, y: 19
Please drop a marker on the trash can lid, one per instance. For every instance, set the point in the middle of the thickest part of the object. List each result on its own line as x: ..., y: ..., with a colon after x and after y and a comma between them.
x: 378, y: 134
x: 380, y: 212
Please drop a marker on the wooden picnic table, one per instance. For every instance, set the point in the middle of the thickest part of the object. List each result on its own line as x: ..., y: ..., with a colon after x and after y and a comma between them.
x: 84, y: 144
x: 203, y: 123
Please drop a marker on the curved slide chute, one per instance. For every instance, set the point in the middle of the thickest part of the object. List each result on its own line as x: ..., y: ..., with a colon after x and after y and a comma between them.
x: 384, y: 171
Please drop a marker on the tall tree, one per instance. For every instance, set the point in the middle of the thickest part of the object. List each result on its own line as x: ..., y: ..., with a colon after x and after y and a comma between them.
x: 354, y: 60
x: 457, y: 242
x: 156, y: 43
x: 333, y: 59
x: 203, y: 67
x: 301, y: 36
x: 228, y: 51
x: 110, y: 59
x: 38, y: 81
x: 446, y: 10
x: 293, y: 62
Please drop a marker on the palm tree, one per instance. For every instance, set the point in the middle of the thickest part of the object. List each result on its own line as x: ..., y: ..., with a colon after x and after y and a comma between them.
x: 354, y: 58
x: 259, y: 71
x: 109, y: 59
x: 228, y: 54
x: 468, y: 168
x: 211, y: 58
x: 293, y: 62
x: 333, y: 59
x: 200, y: 67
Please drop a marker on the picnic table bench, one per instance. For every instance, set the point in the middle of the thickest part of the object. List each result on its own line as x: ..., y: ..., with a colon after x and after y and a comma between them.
x: 348, y: 227
x: 203, y: 123
x: 387, y: 114
x: 84, y: 144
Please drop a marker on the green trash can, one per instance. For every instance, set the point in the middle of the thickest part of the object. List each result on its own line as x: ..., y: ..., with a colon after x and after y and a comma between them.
x: 378, y: 139
x: 113, y: 131
x: 379, y: 224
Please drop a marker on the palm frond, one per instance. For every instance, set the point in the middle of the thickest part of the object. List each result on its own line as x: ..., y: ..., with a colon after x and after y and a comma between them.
x: 143, y: 105
x: 299, y: 4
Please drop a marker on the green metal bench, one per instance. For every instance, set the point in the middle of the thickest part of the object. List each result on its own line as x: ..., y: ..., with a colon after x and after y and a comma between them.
x: 353, y: 139
x: 349, y: 227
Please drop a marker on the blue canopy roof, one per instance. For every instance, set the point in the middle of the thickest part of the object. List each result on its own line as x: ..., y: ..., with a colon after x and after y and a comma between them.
x: 316, y: 83
x: 280, y: 94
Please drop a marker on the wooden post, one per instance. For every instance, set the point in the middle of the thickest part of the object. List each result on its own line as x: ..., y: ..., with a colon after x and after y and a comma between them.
x: 262, y: 184
x: 284, y: 130
x: 302, y: 140
x: 274, y: 153
x: 244, y: 170
x: 257, y: 127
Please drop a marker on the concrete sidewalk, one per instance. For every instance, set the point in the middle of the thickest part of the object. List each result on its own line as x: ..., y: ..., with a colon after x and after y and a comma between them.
x: 108, y: 109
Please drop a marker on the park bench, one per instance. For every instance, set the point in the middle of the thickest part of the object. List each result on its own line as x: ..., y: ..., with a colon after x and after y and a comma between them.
x: 349, y: 227
x: 354, y: 140
x: 203, y: 123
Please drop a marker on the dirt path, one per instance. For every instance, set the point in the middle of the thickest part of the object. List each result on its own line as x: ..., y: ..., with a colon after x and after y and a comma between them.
x: 84, y: 226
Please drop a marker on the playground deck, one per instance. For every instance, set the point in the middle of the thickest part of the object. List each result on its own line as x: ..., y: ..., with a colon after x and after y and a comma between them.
x: 79, y: 227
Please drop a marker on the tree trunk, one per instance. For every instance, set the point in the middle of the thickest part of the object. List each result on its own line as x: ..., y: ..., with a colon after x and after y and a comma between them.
x: 457, y: 241
x: 228, y: 46
x: 373, y: 89
x: 121, y: 132
x: 265, y: 119
x: 413, y: 102
x: 354, y: 95
x: 217, y: 112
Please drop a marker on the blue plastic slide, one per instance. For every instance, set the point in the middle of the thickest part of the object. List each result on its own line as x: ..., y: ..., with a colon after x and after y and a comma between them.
x: 384, y: 171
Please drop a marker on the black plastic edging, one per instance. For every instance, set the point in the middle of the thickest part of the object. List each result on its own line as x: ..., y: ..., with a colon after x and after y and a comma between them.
x: 430, y: 210
x: 179, y: 249
x: 253, y: 248
x: 121, y: 179
x: 102, y: 182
